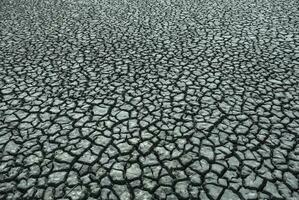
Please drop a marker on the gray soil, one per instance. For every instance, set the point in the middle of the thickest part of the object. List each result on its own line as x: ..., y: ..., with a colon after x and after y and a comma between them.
x: 149, y: 99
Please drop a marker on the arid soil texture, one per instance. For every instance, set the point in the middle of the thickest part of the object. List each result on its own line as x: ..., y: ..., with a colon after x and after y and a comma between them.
x: 149, y: 99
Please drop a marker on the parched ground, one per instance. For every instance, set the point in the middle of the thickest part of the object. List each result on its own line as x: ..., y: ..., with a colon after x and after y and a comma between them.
x: 149, y: 99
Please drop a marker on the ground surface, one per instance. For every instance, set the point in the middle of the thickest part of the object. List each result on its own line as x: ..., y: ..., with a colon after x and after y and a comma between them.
x: 149, y: 99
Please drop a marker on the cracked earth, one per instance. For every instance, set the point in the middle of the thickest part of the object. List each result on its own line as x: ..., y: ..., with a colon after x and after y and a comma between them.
x: 149, y: 99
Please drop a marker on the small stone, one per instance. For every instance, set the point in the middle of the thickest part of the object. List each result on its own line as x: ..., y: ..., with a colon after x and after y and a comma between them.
x: 203, y: 125
x: 82, y: 121
x: 164, y: 191
x: 94, y: 189
x: 79, y: 59
x: 233, y: 162
x: 122, y: 115
x: 272, y: 189
x: 228, y: 194
x: 64, y: 157
x: 102, y: 140
x: 277, y: 174
x: 57, y: 177
x: 291, y: 180
x: 124, y: 147
x: 53, y: 129
x: 72, y: 178
x: 125, y: 196
x: 142, y: 195
x: 252, y: 163
x: 6, y: 91
x: 241, y: 117
x: 49, y: 193
x: 207, y: 152
x: 145, y: 146
x: 122, y: 191
x: 248, y: 194
x: 233, y: 138
x: 149, y: 183
x: 23, y: 185
x: 179, y: 97
x: 77, y: 193
x: 116, y: 174
x: 11, y: 147
x: 201, y: 166
x: 100, y: 110
x: 253, y: 181
x: 88, y: 157
x: 134, y: 171
x: 32, y: 159
x: 241, y: 129
x: 214, y: 190
x: 217, y: 168
x: 182, y: 189
x: 203, y: 196
x: 55, y: 109
x: 275, y: 81
x: 196, y: 178
x: 224, y: 106
x: 207, y: 99
x: 212, y: 86
x: 10, y: 118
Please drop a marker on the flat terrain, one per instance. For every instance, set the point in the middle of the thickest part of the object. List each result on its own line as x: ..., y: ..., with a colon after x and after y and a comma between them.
x: 149, y: 99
